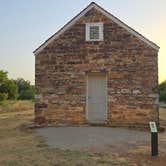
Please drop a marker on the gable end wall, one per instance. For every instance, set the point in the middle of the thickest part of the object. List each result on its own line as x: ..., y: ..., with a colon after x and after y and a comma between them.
x: 131, y: 66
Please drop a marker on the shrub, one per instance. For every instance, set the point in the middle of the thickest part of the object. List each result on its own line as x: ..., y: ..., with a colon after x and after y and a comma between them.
x: 3, y: 96
x: 26, y: 94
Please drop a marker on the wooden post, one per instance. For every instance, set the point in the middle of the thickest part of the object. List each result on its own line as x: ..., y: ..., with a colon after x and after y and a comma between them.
x: 154, y: 139
x: 154, y: 144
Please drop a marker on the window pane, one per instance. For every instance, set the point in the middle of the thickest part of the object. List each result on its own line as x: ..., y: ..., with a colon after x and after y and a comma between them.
x: 94, y: 32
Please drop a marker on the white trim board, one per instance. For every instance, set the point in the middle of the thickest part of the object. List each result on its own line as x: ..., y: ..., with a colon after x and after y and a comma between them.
x: 107, y: 14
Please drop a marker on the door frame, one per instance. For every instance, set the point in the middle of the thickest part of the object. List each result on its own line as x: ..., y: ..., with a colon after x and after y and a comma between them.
x: 106, y: 93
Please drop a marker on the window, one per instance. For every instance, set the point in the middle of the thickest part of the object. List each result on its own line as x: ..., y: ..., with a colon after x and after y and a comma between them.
x: 94, y: 31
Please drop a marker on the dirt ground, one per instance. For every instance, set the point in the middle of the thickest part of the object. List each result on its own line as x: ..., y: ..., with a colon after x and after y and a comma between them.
x: 22, y: 147
x: 141, y: 154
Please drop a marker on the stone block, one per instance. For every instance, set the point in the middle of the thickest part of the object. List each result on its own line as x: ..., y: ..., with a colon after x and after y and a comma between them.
x: 61, y: 71
x: 125, y: 91
x: 136, y: 92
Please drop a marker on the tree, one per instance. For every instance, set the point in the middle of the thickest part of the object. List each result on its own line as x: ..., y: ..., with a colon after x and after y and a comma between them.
x: 13, y: 89
x: 25, y: 89
x: 27, y: 94
x: 3, y: 76
x: 162, y: 91
x: 9, y: 87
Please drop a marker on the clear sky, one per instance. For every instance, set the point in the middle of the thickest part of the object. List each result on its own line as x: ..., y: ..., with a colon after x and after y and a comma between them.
x: 25, y: 24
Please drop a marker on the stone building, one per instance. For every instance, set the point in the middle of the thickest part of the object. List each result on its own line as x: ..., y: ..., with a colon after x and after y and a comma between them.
x: 96, y: 69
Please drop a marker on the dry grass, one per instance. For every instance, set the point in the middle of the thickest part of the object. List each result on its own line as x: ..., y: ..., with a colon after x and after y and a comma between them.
x: 163, y: 116
x: 20, y: 147
x: 16, y: 105
x: 141, y: 154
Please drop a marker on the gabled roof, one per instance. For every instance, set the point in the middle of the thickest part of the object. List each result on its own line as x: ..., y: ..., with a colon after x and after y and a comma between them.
x: 104, y: 12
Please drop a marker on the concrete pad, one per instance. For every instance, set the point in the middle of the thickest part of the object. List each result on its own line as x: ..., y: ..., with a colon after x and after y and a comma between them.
x: 92, y: 137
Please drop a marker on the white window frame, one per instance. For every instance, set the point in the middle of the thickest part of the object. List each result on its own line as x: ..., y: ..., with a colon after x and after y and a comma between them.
x: 87, y: 33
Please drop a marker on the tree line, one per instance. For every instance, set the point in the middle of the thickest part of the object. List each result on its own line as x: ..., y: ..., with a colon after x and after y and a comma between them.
x: 162, y: 91
x: 11, y: 89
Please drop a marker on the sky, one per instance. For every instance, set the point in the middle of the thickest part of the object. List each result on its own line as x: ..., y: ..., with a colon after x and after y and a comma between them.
x: 25, y: 24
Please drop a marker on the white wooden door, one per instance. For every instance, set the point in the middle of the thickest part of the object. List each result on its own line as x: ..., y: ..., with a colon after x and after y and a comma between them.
x: 96, y: 99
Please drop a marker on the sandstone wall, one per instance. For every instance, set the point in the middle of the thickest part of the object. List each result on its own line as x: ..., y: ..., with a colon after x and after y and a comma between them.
x: 131, y: 66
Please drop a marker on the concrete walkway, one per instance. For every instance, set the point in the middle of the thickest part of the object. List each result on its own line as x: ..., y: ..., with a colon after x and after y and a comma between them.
x: 92, y: 137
